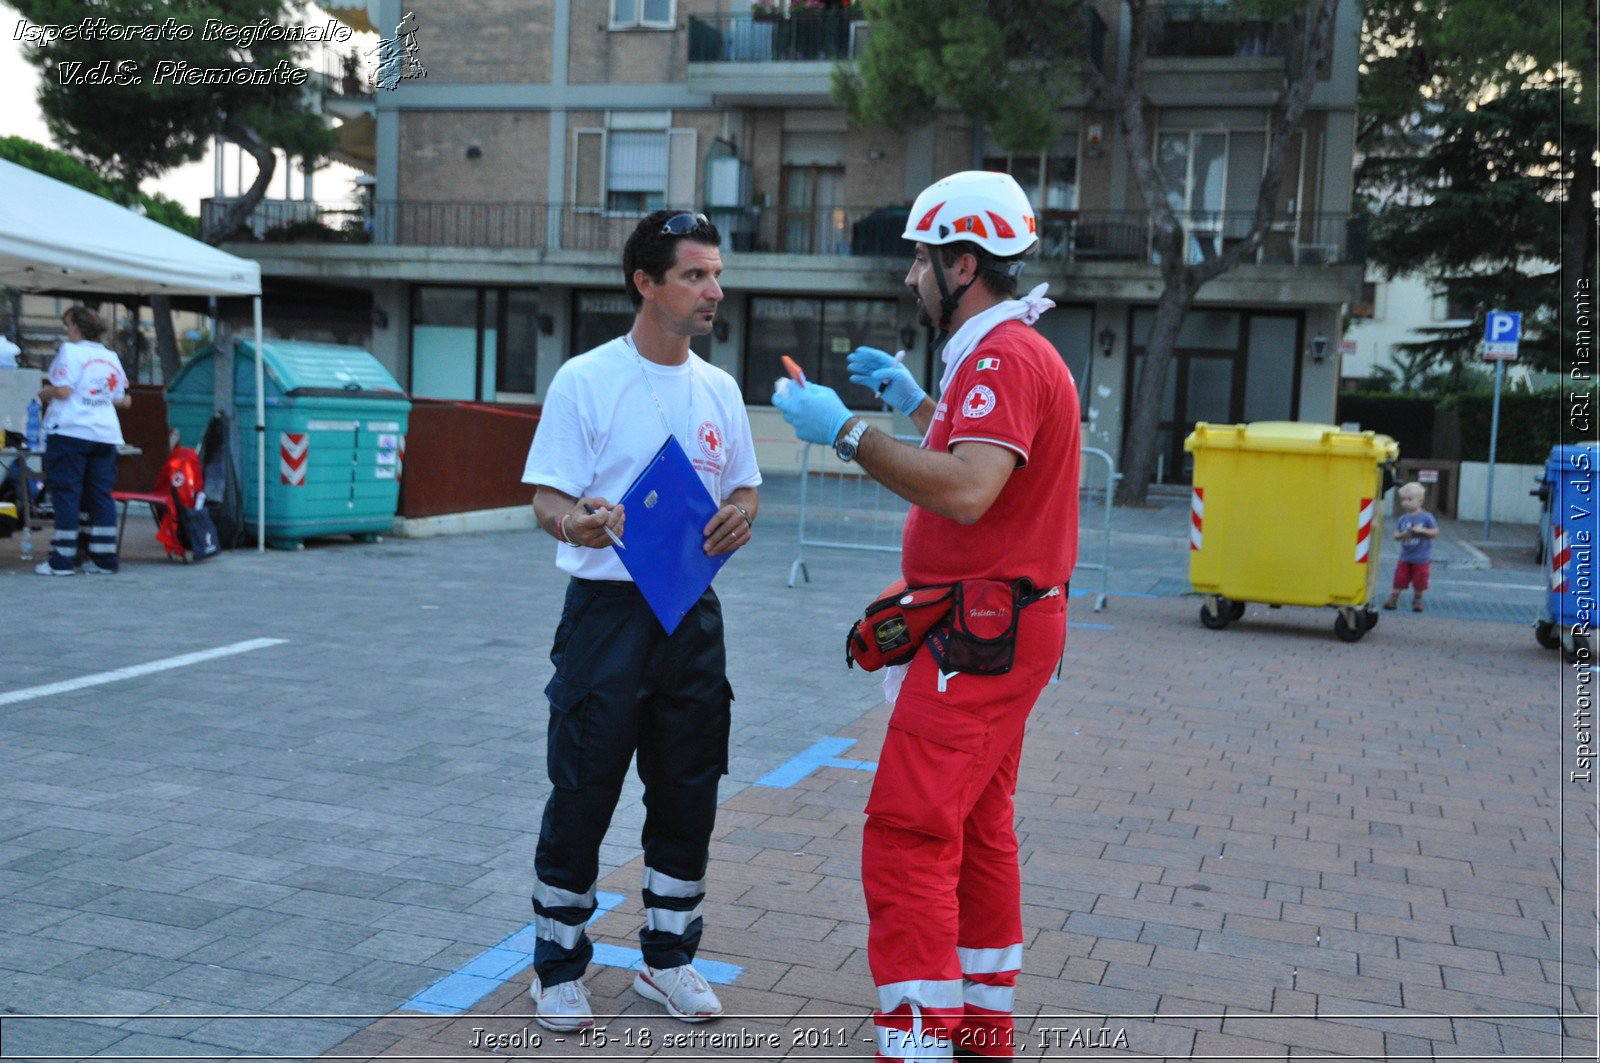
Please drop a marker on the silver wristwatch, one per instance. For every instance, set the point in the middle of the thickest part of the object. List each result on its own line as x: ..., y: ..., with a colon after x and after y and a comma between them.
x: 846, y: 448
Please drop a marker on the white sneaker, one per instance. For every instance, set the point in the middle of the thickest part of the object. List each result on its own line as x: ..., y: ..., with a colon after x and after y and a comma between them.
x: 44, y: 569
x: 89, y: 568
x: 684, y: 991
x: 563, y: 1007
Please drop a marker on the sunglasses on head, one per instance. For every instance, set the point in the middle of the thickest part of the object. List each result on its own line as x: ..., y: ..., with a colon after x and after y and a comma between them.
x: 684, y: 224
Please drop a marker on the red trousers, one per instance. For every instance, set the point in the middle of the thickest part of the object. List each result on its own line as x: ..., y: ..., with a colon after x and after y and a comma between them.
x: 1412, y: 574
x: 939, y: 854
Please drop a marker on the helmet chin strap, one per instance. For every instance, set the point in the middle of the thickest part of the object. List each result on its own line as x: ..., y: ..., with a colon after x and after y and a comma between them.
x: 948, y: 300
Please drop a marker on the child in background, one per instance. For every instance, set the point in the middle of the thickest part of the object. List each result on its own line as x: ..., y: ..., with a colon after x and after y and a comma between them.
x: 1416, y: 529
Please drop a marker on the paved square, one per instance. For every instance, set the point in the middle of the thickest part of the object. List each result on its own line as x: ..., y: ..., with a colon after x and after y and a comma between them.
x: 1257, y: 843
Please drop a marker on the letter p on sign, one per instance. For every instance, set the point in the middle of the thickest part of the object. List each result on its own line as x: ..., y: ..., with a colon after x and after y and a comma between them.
x: 1502, y: 330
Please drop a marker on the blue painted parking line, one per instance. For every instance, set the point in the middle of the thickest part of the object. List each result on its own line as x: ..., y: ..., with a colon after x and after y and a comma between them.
x: 631, y: 960
x: 1112, y: 594
x: 824, y: 754
x: 494, y: 967
x: 489, y: 970
x: 1091, y: 627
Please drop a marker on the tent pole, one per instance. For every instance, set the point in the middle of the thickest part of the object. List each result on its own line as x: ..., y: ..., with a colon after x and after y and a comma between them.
x: 261, y: 438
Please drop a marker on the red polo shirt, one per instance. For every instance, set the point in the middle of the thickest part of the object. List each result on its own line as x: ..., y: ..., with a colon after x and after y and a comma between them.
x: 1013, y: 391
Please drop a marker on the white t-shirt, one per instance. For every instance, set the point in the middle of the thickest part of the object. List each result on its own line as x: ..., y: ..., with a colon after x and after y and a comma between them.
x: 95, y: 375
x: 600, y: 426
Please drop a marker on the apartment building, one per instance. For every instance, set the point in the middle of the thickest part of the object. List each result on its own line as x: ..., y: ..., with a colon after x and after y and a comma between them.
x: 1389, y: 312
x: 512, y: 158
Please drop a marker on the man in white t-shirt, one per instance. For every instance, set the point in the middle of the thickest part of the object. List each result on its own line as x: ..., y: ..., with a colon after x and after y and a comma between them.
x: 85, y: 388
x: 622, y: 685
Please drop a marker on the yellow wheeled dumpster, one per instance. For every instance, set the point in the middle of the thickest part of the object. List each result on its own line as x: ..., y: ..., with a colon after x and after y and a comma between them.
x: 1286, y: 513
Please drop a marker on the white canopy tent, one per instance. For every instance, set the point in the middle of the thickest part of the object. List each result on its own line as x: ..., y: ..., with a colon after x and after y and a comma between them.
x: 57, y: 238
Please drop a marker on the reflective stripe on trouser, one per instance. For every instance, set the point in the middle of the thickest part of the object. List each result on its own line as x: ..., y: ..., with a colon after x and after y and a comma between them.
x: 559, y: 919
x: 671, y: 908
x: 988, y: 989
x: 911, y: 1033
x: 80, y: 475
x: 917, y: 1020
x: 621, y: 686
x: 939, y: 852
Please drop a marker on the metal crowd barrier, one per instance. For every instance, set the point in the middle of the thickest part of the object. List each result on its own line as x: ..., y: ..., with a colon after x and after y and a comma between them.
x: 1092, y: 492
x: 842, y: 509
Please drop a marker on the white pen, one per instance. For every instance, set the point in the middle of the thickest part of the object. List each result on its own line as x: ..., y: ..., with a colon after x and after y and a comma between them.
x: 589, y: 510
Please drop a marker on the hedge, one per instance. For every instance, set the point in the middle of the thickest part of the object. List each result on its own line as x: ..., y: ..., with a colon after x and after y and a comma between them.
x: 1407, y: 418
x: 1530, y: 424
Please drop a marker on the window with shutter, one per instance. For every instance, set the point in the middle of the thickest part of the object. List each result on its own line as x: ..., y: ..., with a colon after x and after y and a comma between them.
x: 636, y: 171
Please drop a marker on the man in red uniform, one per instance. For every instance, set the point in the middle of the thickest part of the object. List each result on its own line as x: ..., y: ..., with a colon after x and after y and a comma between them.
x: 994, y: 493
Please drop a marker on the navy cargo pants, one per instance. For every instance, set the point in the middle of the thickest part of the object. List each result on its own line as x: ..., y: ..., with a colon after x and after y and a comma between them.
x: 622, y: 685
x: 81, y: 474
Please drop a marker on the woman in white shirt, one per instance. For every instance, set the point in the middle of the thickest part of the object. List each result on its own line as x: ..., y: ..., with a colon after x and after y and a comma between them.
x: 85, y: 388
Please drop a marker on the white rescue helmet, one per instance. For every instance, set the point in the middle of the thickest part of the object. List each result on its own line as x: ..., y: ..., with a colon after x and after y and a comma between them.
x: 987, y: 209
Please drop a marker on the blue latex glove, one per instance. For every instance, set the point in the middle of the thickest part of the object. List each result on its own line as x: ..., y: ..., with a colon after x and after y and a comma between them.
x: 888, y: 379
x: 815, y: 411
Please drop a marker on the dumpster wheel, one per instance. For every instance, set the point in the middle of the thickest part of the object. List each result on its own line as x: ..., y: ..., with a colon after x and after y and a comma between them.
x: 1349, y: 625
x: 1544, y: 632
x: 1217, y: 613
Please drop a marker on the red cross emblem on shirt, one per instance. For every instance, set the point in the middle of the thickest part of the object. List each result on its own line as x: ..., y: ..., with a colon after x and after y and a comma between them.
x: 710, y: 441
x: 979, y: 402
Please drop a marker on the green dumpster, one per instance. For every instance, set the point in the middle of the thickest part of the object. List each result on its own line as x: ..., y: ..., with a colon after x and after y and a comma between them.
x: 335, y: 435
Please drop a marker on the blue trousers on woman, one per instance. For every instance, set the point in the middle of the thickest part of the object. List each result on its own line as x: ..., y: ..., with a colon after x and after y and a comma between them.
x: 81, y: 474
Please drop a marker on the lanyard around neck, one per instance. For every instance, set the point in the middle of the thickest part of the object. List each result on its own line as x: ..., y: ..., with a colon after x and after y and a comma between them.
x: 688, y: 425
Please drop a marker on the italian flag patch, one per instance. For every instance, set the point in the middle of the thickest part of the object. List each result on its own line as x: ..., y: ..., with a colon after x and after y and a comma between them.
x: 988, y: 363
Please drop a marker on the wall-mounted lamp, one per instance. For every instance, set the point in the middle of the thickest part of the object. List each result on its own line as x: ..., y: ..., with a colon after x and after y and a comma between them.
x: 1107, y: 339
x: 1319, y: 348
x: 908, y: 337
x: 546, y: 323
x: 719, y: 329
x: 474, y: 152
x: 379, y: 318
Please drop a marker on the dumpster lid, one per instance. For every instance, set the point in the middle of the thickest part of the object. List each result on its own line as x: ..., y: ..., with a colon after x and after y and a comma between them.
x: 1573, y: 457
x: 1300, y: 437
x: 300, y: 367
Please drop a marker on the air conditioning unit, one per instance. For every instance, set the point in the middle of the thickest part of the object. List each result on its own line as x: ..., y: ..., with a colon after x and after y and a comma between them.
x: 727, y: 182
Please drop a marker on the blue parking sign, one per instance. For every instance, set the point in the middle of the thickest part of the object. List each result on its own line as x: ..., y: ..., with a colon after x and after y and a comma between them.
x: 1502, y: 331
x: 1503, y: 326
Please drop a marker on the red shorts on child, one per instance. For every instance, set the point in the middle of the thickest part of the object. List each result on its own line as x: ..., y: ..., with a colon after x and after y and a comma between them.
x: 1412, y: 574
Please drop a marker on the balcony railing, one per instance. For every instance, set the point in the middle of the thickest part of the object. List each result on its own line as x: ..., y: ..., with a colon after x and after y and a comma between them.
x: 1305, y: 239
x: 860, y: 231
x: 798, y: 37
x: 810, y: 36
x: 291, y: 221
x: 1212, y: 30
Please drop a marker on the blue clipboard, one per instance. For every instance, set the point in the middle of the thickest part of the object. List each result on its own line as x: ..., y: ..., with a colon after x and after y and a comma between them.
x: 667, y: 509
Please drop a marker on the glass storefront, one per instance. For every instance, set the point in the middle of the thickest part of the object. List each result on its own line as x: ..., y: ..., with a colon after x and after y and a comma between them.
x: 474, y: 344
x: 598, y: 317
x: 818, y: 334
x: 1230, y: 366
x: 1070, y: 329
